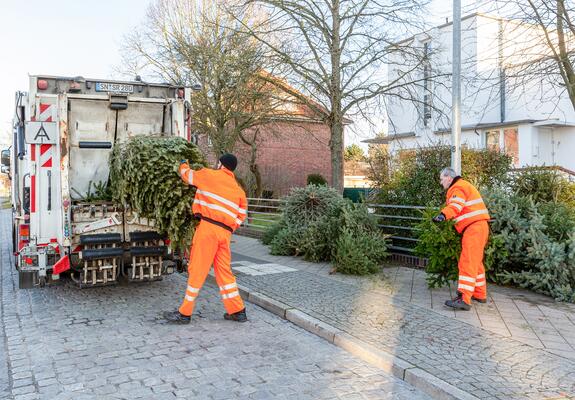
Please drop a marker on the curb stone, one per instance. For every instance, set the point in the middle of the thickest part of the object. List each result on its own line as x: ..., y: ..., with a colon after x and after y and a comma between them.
x: 398, y: 367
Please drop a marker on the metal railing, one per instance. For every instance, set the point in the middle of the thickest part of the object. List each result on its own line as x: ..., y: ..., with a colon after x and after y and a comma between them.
x: 398, y: 221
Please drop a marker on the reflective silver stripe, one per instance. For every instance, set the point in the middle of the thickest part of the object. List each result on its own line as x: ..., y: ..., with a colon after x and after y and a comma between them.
x: 459, y: 199
x: 466, y: 279
x: 472, y: 202
x: 190, y: 176
x: 190, y: 298
x: 230, y: 295
x: 229, y: 286
x: 480, y: 276
x: 471, y: 214
x: 456, y: 205
x: 482, y: 283
x: 239, y: 221
x: 193, y: 289
x: 216, y: 207
x: 222, y: 200
x: 466, y: 287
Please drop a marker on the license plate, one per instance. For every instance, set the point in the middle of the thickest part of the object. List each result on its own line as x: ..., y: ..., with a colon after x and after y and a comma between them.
x: 114, y: 87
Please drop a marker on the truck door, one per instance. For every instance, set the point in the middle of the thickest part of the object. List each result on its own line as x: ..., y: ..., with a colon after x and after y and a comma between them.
x: 92, y: 129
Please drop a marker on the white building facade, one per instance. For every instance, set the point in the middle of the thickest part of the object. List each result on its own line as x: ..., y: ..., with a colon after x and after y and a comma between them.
x: 504, y: 104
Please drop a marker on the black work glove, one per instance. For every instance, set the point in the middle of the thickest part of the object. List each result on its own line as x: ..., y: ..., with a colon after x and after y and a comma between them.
x: 439, y: 218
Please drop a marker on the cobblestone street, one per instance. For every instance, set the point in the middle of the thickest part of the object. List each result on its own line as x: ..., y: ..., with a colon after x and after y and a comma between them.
x: 477, y: 361
x: 60, y: 342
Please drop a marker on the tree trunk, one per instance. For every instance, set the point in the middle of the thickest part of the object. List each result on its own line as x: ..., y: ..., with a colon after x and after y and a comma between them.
x: 336, y: 118
x: 336, y: 148
x: 255, y: 169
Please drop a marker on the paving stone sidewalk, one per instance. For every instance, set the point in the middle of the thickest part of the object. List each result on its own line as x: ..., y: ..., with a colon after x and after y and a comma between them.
x: 63, y: 343
x: 484, y: 363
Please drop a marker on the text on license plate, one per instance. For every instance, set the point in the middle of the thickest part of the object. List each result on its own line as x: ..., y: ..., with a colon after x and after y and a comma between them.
x: 114, y: 87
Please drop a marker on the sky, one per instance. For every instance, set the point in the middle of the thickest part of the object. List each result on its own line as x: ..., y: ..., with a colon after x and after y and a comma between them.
x: 77, y: 37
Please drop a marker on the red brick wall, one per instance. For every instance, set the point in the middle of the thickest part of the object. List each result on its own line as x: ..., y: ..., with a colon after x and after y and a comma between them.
x: 287, y: 153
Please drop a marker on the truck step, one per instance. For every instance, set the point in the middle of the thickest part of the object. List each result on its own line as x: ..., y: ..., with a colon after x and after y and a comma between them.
x: 108, y: 252
x: 103, y: 238
x: 145, y: 236
x: 141, y: 251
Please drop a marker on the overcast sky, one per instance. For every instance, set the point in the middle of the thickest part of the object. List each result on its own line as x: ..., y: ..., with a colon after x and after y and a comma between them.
x: 71, y: 38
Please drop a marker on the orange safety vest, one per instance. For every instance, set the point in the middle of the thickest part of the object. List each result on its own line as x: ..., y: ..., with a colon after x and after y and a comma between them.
x: 464, y: 204
x: 219, y: 198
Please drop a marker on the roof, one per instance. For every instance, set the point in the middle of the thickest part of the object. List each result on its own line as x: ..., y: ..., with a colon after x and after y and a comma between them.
x: 487, y: 125
x: 389, y: 138
x: 445, y: 25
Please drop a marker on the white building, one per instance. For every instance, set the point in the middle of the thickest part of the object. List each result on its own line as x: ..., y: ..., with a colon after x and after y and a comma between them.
x: 502, y: 106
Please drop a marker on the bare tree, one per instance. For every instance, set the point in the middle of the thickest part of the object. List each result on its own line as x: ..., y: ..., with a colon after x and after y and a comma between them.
x: 186, y: 43
x: 334, y: 53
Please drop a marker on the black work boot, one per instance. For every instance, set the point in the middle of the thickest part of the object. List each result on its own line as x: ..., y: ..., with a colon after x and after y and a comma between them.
x: 458, y: 303
x: 239, y: 316
x: 482, y: 301
x: 174, y: 317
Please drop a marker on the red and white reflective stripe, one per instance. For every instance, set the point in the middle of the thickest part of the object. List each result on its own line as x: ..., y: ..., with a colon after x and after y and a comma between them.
x: 480, y: 280
x: 192, y: 289
x: 472, y: 202
x: 222, y: 200
x: 45, y: 113
x: 215, y: 207
x: 46, y: 155
x: 33, y: 181
x: 456, y: 205
x: 230, y: 295
x: 469, y: 279
x: 229, y: 286
x: 466, y: 287
x: 456, y: 199
x: 193, y: 293
x: 470, y: 214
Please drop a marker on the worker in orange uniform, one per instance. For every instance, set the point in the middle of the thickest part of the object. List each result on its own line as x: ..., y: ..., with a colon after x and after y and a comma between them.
x: 221, y: 205
x: 466, y: 207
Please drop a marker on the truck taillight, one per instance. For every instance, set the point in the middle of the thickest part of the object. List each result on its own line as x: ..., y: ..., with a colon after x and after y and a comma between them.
x: 42, y: 84
x: 24, y: 231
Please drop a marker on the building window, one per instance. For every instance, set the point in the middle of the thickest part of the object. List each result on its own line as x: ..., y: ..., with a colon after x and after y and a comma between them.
x: 492, y: 140
x: 210, y: 143
x: 505, y: 140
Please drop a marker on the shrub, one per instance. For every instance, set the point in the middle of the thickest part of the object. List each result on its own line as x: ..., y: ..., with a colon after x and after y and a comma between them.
x: 316, y: 179
x: 415, y: 174
x: 318, y: 224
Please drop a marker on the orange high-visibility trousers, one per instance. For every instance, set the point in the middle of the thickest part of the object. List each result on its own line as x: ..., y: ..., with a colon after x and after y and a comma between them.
x: 471, y: 270
x: 211, y: 244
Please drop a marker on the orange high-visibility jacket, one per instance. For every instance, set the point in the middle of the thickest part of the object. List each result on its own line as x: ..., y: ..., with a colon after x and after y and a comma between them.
x: 464, y: 204
x: 218, y: 196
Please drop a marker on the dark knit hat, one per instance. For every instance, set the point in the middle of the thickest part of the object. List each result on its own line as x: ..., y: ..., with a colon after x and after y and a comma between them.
x: 229, y: 161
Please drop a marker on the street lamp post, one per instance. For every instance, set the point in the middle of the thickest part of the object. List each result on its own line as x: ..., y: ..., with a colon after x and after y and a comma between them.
x: 456, y: 90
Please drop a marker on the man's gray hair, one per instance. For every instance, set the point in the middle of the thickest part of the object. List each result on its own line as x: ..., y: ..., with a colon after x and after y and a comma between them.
x: 447, y: 171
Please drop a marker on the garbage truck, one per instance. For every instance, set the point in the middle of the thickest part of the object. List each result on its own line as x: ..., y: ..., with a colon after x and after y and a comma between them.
x: 65, y: 129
